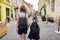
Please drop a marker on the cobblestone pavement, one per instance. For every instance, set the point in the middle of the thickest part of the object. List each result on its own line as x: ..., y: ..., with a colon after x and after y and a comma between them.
x: 47, y: 31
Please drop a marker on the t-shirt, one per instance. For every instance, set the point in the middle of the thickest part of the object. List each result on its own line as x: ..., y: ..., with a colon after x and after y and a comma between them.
x: 22, y: 14
x: 30, y: 20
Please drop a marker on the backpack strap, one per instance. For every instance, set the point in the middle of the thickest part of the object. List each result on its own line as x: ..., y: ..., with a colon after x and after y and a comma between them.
x: 19, y: 16
x: 25, y: 14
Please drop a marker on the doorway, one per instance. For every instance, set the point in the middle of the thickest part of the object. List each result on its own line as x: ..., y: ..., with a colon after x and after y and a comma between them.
x: 7, y: 15
x: 0, y: 13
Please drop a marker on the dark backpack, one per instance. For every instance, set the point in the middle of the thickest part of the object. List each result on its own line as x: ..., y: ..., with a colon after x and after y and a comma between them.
x: 22, y: 22
x: 34, y: 28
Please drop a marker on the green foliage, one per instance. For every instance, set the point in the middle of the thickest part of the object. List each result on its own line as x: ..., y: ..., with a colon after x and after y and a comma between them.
x: 44, y: 10
x: 40, y: 12
x: 43, y: 17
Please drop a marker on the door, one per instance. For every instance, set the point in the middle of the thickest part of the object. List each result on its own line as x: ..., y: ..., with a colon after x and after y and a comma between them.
x: 7, y: 15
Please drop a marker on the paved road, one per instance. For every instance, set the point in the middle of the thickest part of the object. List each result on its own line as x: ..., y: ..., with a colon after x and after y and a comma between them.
x: 46, y: 33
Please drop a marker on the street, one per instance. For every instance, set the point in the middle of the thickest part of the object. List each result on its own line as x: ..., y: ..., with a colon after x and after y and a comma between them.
x: 47, y: 31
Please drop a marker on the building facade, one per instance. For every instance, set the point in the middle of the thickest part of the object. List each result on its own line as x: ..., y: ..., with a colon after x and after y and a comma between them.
x: 6, y: 7
x: 28, y: 6
x: 42, y: 7
x: 15, y: 8
x: 5, y: 15
x: 53, y: 7
x: 41, y: 4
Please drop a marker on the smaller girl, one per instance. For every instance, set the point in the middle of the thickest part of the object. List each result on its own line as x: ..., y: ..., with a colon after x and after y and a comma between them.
x: 34, y: 30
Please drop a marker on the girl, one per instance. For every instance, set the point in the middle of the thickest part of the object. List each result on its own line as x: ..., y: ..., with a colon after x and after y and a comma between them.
x: 22, y: 23
x: 34, y: 30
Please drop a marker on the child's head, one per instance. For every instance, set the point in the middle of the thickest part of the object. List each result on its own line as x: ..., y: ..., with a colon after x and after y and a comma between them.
x: 35, y: 18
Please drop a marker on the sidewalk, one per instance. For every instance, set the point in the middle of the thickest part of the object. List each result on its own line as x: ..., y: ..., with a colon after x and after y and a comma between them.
x: 47, y: 31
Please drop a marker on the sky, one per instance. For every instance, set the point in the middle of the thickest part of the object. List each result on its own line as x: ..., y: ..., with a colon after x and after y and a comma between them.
x: 34, y: 3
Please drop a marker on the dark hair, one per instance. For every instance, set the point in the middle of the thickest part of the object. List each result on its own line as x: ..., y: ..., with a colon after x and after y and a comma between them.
x: 23, y: 9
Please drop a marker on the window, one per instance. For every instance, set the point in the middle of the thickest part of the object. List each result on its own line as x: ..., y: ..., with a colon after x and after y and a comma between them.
x: 52, y: 5
x: 52, y: 1
x: 7, y: 11
x: 7, y: 14
x: 11, y: 13
x: 0, y: 13
x: 8, y: 1
x: 48, y: 2
x: 15, y: 1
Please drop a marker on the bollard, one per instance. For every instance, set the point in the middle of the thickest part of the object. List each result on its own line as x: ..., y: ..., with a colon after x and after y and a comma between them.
x: 59, y: 25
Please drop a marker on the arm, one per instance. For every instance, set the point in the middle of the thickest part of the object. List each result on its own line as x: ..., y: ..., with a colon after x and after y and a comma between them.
x: 16, y: 23
x: 39, y: 28
x: 17, y: 26
x: 27, y: 19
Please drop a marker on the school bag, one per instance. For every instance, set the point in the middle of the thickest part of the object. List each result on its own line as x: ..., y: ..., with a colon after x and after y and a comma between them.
x: 22, y: 22
x: 34, y: 28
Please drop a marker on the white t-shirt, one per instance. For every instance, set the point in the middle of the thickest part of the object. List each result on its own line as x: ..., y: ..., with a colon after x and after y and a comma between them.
x: 22, y: 14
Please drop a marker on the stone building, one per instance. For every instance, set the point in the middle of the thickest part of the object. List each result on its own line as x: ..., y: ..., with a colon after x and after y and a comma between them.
x: 28, y: 6
x: 5, y: 15
x: 52, y: 9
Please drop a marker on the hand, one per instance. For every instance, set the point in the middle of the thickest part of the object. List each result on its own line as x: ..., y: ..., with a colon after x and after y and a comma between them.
x: 27, y: 27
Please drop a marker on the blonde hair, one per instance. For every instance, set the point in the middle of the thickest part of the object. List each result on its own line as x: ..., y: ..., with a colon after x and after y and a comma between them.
x: 35, y: 17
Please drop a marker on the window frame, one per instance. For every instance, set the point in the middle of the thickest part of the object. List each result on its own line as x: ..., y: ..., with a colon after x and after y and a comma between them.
x: 8, y: 2
x: 48, y: 2
x: 52, y: 5
x: 0, y: 13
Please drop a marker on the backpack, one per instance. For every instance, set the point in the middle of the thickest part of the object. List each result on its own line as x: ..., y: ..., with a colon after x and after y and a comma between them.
x: 34, y: 28
x: 22, y: 22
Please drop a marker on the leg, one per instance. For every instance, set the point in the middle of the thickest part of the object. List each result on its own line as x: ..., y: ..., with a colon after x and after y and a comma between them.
x: 20, y: 37
x: 30, y: 39
x: 36, y: 39
x: 24, y: 36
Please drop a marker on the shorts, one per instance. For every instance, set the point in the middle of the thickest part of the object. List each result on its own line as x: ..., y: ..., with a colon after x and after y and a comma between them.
x: 22, y: 31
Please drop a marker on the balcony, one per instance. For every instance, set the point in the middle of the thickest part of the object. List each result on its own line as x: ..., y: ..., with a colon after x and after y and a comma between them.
x: 8, y: 1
